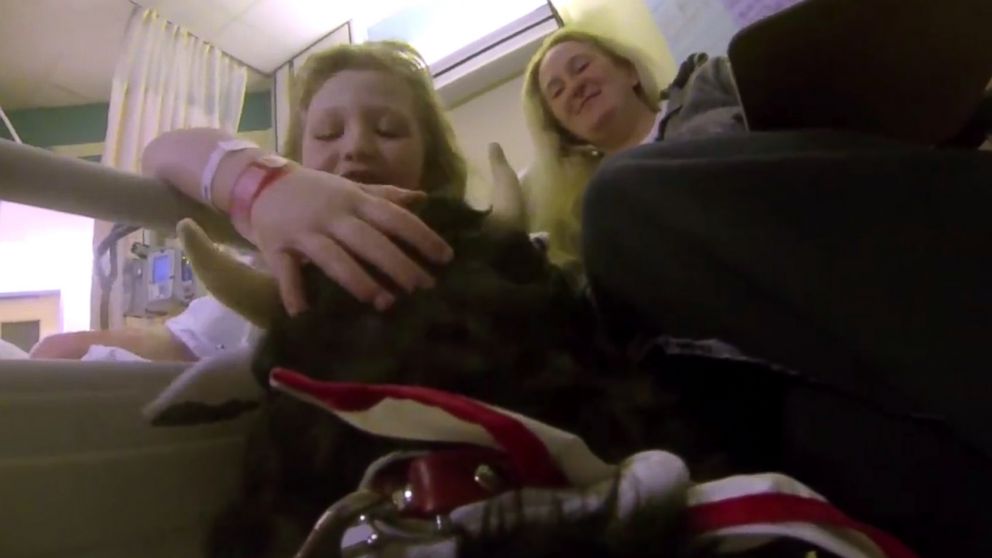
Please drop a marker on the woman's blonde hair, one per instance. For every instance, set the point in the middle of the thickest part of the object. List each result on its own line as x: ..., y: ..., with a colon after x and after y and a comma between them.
x: 445, y: 170
x: 564, y: 163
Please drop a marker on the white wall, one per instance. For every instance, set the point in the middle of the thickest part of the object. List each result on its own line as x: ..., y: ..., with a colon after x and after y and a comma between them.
x: 43, y: 250
x: 45, y: 307
x: 495, y: 115
x: 282, y: 91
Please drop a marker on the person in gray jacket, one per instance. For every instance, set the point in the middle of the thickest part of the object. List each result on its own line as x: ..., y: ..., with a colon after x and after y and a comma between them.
x: 588, y: 97
x: 844, y: 275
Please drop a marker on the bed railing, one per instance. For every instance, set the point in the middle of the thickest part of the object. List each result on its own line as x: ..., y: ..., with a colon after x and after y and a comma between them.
x: 34, y: 176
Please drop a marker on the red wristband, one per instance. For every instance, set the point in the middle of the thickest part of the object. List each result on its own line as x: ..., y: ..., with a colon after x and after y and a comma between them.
x: 253, y: 180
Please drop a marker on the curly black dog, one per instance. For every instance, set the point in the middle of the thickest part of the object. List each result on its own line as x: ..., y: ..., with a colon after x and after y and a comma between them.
x: 503, y: 326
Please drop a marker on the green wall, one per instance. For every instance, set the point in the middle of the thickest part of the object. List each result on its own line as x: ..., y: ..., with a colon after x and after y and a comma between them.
x: 45, y: 127
x: 257, y: 114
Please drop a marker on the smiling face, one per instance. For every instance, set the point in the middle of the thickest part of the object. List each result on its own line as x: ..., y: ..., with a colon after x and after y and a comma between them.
x: 590, y: 93
x: 361, y: 124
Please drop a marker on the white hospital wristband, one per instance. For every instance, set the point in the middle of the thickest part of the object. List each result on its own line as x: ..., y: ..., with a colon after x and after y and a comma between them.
x: 207, y: 180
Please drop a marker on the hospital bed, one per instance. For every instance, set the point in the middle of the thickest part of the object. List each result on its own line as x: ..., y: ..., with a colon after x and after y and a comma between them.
x: 82, y: 473
x: 34, y: 176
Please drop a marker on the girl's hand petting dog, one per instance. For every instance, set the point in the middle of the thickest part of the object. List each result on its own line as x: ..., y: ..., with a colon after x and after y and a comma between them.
x: 338, y: 224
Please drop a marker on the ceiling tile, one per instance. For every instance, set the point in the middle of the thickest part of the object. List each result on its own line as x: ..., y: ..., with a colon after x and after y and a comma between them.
x: 94, y: 6
x: 18, y: 94
x: 29, y: 38
x: 203, y: 19
x: 92, y: 79
x: 74, y: 44
x: 30, y: 47
x: 87, y: 65
x: 254, y: 46
x: 52, y: 95
x: 236, y: 7
x: 299, y: 22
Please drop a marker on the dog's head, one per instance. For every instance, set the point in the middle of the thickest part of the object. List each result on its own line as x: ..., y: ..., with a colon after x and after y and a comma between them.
x: 498, y: 307
x: 502, y: 324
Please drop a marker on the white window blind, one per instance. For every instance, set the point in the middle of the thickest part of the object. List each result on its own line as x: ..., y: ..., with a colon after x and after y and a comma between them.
x: 440, y: 29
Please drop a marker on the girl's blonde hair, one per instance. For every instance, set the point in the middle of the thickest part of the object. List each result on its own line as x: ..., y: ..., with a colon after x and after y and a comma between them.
x: 564, y: 163
x: 445, y: 170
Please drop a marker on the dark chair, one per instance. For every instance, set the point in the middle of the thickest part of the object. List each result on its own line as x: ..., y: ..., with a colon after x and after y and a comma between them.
x: 914, y: 70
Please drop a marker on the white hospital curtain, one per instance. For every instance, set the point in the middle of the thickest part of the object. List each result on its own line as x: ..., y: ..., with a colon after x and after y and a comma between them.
x: 166, y: 79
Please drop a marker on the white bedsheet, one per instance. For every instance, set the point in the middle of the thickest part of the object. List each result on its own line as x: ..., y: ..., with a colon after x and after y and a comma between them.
x: 11, y: 351
x: 111, y: 354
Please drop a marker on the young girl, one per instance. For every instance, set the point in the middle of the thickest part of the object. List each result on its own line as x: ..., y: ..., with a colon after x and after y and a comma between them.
x: 367, y: 132
x: 368, y: 136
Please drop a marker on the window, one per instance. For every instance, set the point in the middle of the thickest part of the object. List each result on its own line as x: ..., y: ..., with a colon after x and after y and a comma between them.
x: 448, y: 32
x: 708, y: 25
x: 469, y: 46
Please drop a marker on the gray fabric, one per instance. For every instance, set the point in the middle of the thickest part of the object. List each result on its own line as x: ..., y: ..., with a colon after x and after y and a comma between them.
x: 702, y: 101
x: 859, y: 263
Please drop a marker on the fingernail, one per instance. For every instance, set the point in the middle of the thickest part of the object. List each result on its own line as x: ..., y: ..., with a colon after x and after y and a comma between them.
x: 427, y: 282
x: 383, y: 301
x: 294, y: 307
x: 447, y: 254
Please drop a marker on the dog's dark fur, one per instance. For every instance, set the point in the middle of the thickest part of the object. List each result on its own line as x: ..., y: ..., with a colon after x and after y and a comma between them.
x: 502, y: 326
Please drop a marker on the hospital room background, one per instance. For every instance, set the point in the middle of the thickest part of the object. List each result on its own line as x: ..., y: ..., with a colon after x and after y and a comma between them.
x: 68, y: 63
x: 97, y: 80
x: 88, y: 469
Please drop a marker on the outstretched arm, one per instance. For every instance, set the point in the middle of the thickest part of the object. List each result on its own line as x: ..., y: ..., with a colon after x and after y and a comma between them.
x: 156, y: 343
x: 308, y: 215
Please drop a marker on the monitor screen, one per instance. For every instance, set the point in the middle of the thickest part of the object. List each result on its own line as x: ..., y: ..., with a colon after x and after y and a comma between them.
x: 161, y: 268
x: 187, y: 271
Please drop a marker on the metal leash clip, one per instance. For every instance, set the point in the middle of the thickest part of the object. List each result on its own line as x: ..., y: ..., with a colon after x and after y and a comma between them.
x: 365, y: 523
x: 406, y: 504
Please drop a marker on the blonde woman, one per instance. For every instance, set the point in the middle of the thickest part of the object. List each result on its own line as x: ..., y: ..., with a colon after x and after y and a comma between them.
x: 855, y: 259
x: 587, y: 97
x: 789, y: 244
